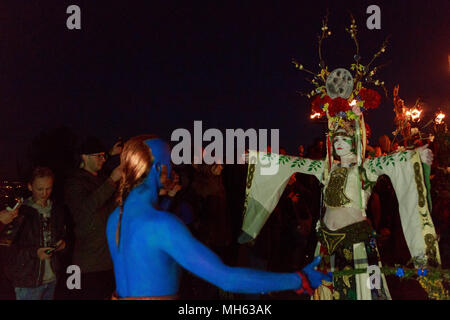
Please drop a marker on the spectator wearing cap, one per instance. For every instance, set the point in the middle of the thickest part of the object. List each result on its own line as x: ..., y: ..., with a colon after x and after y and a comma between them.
x: 90, y: 199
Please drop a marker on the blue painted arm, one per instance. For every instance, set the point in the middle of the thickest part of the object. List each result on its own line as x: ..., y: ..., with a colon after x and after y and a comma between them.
x: 177, y: 241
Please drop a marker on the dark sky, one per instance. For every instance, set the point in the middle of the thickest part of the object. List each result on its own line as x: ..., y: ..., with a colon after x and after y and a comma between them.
x: 151, y: 67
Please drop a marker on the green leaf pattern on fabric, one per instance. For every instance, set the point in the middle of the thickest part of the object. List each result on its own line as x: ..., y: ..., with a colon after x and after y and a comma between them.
x: 402, y: 156
x: 299, y: 162
x: 268, y: 156
x: 386, y: 161
x: 378, y: 164
x: 283, y: 159
x: 372, y: 169
x: 314, y: 165
x: 310, y: 165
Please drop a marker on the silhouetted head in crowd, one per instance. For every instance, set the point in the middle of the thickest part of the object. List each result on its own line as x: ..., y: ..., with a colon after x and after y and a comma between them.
x: 385, y: 144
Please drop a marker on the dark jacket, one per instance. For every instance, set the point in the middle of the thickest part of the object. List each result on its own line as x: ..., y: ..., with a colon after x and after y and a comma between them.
x: 90, y: 200
x: 207, y: 197
x: 24, y: 268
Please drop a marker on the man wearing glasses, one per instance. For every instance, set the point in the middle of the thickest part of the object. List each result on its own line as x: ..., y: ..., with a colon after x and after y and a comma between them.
x: 90, y: 198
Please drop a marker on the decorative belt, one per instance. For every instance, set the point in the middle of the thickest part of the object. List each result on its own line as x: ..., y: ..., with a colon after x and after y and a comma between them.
x: 354, y: 233
x: 171, y: 297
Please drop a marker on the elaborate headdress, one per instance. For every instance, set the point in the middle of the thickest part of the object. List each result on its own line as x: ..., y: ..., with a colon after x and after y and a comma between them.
x: 342, y: 96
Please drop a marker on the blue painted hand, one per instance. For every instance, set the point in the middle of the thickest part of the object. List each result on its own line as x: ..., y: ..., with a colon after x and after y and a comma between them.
x: 315, y: 277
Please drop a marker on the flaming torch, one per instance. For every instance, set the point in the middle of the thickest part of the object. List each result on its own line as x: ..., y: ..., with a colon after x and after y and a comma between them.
x: 440, y: 147
x: 440, y: 128
x: 439, y: 118
x: 414, y: 114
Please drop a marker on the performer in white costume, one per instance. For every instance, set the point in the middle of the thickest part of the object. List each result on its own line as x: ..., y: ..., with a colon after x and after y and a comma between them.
x: 346, y: 238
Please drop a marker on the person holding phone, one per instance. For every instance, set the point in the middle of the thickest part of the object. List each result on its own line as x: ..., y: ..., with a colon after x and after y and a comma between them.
x: 34, y: 261
x: 7, y: 216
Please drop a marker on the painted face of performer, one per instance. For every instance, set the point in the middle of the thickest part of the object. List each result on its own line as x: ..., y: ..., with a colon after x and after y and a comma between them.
x: 343, y: 145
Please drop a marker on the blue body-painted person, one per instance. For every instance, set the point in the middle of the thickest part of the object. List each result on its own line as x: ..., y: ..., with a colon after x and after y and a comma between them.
x: 148, y: 245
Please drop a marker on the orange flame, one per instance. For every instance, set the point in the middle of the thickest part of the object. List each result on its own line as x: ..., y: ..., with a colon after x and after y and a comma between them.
x: 315, y: 115
x: 439, y: 118
x: 414, y: 114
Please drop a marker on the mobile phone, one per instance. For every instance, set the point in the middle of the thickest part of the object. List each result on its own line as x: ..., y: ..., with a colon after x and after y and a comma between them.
x: 17, y: 205
x: 50, y: 251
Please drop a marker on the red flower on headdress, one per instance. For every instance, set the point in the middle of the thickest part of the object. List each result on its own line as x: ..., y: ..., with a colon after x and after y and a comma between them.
x: 338, y: 105
x: 371, y: 98
x: 318, y: 103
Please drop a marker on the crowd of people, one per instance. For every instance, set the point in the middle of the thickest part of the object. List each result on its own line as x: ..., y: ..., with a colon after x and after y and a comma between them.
x: 208, y: 199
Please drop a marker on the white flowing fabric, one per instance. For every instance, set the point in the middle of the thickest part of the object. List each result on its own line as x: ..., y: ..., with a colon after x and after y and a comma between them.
x: 403, y: 168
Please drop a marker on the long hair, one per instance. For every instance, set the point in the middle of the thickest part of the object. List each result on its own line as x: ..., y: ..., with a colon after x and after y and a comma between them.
x: 136, y: 160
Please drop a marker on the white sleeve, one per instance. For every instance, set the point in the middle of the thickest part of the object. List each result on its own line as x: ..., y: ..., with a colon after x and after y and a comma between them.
x: 406, y: 174
x: 263, y: 191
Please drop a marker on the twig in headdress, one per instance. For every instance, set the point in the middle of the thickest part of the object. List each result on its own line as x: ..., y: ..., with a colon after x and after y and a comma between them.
x: 325, y: 34
x: 377, y: 68
x: 302, y: 94
x: 353, y: 31
x: 378, y: 83
x: 301, y: 67
x: 382, y: 49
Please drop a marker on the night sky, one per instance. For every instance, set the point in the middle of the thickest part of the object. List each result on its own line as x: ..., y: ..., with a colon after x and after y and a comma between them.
x: 151, y: 67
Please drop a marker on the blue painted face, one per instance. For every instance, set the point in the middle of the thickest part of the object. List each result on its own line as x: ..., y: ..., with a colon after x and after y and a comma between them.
x: 162, y: 167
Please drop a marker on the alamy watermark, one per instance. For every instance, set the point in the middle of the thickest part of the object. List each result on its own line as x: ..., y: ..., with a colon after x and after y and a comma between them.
x: 374, y: 21
x: 374, y: 280
x: 74, y: 280
x: 222, y: 149
x: 73, y: 22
